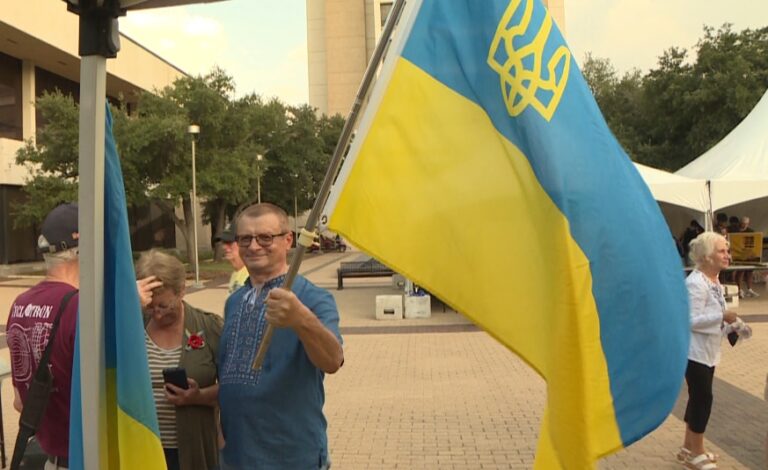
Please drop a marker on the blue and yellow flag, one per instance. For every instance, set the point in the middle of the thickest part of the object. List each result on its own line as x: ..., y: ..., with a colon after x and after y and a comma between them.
x: 483, y: 171
x: 132, y: 437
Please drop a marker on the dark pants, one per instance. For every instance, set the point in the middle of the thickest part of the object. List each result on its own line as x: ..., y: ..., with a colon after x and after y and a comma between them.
x: 699, y: 378
x: 172, y: 458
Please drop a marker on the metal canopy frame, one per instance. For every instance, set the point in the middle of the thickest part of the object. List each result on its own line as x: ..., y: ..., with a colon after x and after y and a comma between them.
x: 99, y: 40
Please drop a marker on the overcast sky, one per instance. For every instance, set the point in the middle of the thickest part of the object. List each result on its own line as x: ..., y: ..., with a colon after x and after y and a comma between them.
x: 262, y: 43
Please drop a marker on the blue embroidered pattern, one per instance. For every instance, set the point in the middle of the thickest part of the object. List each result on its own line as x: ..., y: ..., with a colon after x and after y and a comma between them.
x: 245, y: 334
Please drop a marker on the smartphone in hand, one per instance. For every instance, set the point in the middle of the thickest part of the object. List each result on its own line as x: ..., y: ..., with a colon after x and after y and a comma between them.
x: 176, y: 376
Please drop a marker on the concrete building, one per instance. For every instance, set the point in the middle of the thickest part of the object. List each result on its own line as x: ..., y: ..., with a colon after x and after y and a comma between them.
x: 38, y: 53
x: 341, y: 36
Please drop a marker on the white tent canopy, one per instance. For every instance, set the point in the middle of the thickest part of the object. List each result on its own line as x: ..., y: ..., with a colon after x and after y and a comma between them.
x: 674, y: 189
x: 737, y: 167
x: 681, y: 199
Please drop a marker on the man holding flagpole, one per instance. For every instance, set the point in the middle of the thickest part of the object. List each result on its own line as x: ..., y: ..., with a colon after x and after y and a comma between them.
x: 272, y: 417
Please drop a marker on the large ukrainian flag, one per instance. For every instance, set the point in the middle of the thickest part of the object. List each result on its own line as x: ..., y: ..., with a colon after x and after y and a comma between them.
x: 484, y: 171
x: 132, y: 437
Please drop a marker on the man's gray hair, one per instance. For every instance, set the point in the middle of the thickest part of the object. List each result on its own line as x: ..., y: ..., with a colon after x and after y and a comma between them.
x: 257, y: 210
x: 58, y: 258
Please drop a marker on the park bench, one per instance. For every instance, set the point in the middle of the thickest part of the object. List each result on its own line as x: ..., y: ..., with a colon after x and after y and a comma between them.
x: 367, y: 268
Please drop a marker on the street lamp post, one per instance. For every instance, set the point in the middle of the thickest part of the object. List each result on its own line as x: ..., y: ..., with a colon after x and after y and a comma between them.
x: 194, y: 130
x: 295, y: 214
x: 259, y: 158
x: 295, y: 205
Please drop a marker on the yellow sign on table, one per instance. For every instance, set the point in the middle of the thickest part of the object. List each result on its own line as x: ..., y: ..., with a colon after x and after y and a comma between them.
x: 746, y: 246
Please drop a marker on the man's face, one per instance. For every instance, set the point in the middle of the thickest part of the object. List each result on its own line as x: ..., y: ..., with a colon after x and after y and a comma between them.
x: 230, y: 250
x: 264, y: 260
x: 744, y: 223
x: 232, y: 254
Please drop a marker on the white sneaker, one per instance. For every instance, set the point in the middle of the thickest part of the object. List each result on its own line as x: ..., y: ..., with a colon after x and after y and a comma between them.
x: 741, y: 293
x: 752, y: 293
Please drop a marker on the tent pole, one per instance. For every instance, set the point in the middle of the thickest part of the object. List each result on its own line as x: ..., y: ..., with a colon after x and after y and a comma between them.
x: 93, y: 75
x: 709, y: 224
x: 98, y: 40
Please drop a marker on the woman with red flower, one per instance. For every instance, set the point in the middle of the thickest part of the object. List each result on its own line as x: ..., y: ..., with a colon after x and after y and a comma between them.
x: 179, y: 335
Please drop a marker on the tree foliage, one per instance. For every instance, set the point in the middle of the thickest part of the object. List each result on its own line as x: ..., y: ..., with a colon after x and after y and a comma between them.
x: 685, y: 104
x: 51, y: 159
x: 156, y: 151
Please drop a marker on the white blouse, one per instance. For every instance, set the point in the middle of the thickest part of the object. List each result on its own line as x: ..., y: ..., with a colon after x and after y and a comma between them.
x: 707, y: 305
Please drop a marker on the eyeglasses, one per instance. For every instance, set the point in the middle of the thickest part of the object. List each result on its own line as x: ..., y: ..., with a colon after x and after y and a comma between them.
x: 163, y: 308
x: 263, y: 239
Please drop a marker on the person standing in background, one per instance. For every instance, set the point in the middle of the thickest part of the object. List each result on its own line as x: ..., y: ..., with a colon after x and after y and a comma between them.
x: 30, y: 323
x: 232, y: 254
x: 744, y: 278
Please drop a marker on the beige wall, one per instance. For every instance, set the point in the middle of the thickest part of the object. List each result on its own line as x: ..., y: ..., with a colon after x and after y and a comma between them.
x: 42, y: 33
x: 337, y: 45
x: 557, y: 10
x: 341, y: 37
x: 316, y: 63
x: 10, y: 172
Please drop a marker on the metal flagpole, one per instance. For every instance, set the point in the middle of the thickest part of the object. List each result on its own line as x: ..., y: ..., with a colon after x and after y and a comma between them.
x: 93, y: 77
x: 307, y: 235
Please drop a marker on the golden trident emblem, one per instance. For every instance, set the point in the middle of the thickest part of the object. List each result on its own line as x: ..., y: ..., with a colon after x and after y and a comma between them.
x: 519, y: 84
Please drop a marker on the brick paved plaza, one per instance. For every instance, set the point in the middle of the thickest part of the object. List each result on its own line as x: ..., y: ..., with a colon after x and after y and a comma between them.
x: 439, y: 394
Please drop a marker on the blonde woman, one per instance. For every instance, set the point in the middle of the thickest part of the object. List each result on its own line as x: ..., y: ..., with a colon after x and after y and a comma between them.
x: 179, y: 335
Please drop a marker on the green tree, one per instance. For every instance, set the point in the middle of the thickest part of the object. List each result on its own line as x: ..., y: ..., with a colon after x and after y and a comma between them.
x: 730, y: 75
x: 619, y: 99
x: 689, y: 101
x: 299, y: 160
x: 161, y: 148
x: 155, y: 152
x: 51, y: 159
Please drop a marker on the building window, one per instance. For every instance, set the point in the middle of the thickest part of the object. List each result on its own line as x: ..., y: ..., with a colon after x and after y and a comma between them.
x: 385, y: 7
x: 10, y: 98
x: 50, y: 82
x: 46, y: 81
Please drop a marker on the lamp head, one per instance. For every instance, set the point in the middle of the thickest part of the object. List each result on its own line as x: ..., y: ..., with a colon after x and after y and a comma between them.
x: 193, y: 129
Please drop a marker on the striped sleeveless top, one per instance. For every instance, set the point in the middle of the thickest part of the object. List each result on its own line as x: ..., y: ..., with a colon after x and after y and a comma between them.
x: 160, y: 359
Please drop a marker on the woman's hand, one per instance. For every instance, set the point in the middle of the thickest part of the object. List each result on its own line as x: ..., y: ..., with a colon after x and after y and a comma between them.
x: 729, y: 316
x: 145, y: 287
x: 180, y: 397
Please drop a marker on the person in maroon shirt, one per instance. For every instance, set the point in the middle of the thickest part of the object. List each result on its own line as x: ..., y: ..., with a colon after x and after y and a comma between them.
x: 29, y: 325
